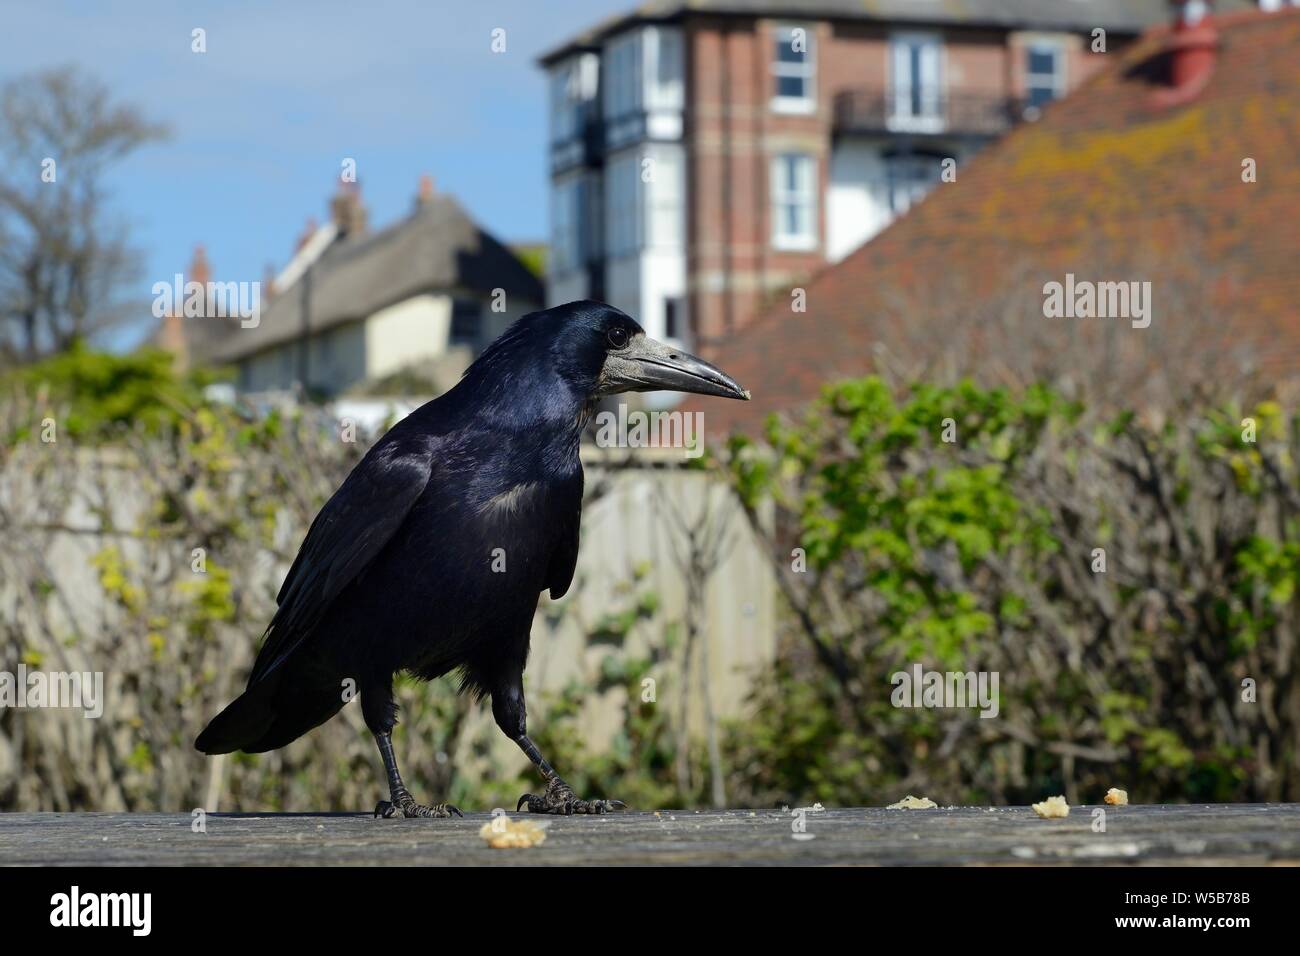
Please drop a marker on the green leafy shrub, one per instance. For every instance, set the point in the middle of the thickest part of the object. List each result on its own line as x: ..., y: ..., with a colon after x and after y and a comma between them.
x: 980, y: 554
x: 93, y: 394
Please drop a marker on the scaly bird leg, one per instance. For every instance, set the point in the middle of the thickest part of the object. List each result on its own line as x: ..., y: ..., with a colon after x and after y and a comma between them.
x: 401, y: 800
x: 559, y: 796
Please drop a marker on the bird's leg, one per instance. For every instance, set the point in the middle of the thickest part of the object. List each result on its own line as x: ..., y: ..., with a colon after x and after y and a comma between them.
x: 511, y: 715
x: 559, y: 796
x: 400, y: 799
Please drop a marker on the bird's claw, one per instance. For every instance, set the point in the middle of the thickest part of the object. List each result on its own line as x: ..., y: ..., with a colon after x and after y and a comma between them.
x: 404, y: 804
x: 560, y: 799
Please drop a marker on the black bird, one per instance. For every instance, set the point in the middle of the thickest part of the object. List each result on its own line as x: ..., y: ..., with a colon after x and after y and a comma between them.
x: 432, y: 554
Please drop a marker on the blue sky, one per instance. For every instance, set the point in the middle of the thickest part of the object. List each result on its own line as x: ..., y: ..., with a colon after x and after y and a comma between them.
x: 261, y: 122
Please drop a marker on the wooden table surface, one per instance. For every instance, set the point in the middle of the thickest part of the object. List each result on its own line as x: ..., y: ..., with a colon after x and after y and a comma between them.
x: 1171, y: 834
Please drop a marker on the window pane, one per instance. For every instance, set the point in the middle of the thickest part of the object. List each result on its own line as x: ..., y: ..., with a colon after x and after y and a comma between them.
x: 804, y: 176
x: 785, y: 176
x: 794, y: 201
x: 1041, y: 95
x: 1042, y: 61
x: 791, y: 86
x: 672, y: 309
x: 465, y: 321
x: 785, y: 51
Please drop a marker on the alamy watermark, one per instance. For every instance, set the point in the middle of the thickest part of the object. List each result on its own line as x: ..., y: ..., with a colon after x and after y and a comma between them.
x: 66, y: 690
x: 209, y: 300
x: 1082, y: 299
x: 946, y: 689
x: 133, y: 911
x: 640, y: 429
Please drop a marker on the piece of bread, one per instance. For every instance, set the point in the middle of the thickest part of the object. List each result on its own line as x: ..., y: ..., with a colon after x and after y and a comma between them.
x: 1052, y: 807
x: 910, y: 802
x: 502, y: 833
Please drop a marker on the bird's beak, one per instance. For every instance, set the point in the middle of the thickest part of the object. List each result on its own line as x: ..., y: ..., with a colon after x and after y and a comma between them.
x: 649, y: 366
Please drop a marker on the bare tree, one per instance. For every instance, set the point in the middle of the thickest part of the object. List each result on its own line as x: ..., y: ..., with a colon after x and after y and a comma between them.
x: 700, y: 545
x: 64, y: 261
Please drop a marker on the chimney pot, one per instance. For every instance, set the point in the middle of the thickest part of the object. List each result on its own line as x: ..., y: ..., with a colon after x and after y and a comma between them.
x: 1188, y: 13
x: 1192, y: 49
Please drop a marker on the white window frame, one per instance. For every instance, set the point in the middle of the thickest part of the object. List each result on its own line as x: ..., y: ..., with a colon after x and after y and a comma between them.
x: 1058, y: 77
x: 900, y: 95
x: 783, y: 197
x: 806, y: 71
x: 663, y: 61
x: 663, y: 197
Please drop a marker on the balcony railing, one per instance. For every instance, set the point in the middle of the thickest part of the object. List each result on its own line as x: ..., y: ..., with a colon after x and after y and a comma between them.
x: 932, y: 113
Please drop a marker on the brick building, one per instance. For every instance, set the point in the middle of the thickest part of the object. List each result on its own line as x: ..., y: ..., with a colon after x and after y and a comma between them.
x: 704, y: 154
x: 1174, y: 166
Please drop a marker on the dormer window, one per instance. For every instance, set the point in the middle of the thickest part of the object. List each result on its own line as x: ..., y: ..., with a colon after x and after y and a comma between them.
x: 1044, y: 73
x: 794, y: 70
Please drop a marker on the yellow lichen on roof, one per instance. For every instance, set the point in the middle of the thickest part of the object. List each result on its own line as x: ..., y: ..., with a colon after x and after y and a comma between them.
x: 1086, y: 152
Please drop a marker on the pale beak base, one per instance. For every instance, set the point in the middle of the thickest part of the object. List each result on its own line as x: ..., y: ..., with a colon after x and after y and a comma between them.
x: 647, y: 366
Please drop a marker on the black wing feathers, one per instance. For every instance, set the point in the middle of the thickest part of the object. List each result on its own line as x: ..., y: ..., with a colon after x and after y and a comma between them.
x: 349, y: 532
x: 564, y: 559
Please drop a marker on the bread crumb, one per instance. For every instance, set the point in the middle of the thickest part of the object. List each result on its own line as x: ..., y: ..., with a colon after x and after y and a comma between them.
x: 1117, y: 797
x: 910, y: 802
x: 502, y: 833
x: 1052, y: 807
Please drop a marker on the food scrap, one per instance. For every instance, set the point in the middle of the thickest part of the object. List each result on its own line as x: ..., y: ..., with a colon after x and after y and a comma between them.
x: 1117, y: 797
x: 1052, y: 807
x: 502, y: 833
x: 910, y: 802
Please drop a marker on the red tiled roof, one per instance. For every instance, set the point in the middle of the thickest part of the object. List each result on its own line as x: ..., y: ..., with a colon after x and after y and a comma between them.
x: 1106, y: 185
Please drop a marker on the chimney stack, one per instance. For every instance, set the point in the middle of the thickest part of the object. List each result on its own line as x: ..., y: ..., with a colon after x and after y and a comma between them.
x: 1192, y: 48
x: 346, y: 210
x: 426, y: 190
x: 200, y: 271
x: 172, y: 335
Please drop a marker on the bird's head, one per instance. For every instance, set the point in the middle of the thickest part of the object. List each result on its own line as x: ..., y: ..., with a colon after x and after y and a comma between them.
x: 603, y: 351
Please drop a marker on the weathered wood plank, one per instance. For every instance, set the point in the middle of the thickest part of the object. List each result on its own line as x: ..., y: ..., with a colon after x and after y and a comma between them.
x: 1199, y: 834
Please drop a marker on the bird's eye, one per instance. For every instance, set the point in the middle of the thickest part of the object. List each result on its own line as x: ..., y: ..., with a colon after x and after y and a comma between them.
x: 617, y: 337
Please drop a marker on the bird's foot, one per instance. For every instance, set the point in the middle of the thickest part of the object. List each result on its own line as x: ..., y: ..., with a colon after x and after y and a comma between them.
x: 560, y: 798
x: 403, y: 804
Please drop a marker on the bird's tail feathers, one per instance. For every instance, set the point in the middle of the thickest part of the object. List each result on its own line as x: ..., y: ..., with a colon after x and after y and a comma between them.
x: 244, y: 721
